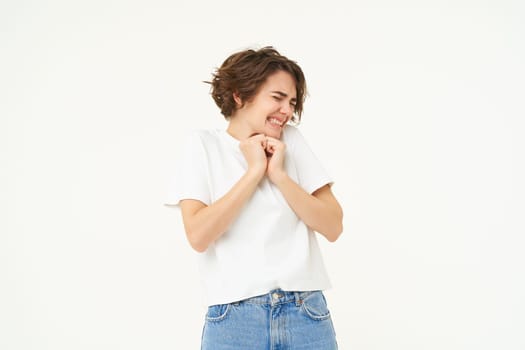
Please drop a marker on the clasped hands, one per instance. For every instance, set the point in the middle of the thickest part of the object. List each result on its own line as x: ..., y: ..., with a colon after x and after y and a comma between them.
x: 264, y: 155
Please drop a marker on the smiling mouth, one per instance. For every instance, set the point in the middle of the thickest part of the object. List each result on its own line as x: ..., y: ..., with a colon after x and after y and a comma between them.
x: 275, y: 121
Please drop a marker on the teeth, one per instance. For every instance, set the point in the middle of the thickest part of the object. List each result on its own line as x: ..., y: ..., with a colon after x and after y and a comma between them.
x: 274, y: 121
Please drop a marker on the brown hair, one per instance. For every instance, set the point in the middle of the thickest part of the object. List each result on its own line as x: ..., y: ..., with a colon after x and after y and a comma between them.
x: 244, y: 72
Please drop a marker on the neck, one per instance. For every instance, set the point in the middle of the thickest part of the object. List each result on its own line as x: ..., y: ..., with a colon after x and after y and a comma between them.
x: 238, y: 129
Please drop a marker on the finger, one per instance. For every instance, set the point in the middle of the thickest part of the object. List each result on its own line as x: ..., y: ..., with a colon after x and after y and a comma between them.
x: 257, y: 139
x: 274, y: 141
x: 258, y: 136
x: 275, y: 145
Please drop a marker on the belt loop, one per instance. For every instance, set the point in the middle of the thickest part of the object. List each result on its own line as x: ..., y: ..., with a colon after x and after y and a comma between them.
x: 298, y: 300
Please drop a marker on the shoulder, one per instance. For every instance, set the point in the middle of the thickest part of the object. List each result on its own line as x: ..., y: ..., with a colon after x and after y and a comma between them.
x: 292, y: 136
x: 197, y: 141
x: 290, y: 133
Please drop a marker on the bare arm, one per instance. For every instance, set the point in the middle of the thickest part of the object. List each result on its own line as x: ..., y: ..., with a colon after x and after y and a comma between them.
x: 320, y: 210
x: 204, y: 224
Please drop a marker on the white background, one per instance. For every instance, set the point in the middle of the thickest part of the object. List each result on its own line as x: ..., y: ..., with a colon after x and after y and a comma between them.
x: 416, y: 108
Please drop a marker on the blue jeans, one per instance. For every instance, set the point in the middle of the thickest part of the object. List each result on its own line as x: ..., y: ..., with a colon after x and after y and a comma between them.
x: 278, y: 320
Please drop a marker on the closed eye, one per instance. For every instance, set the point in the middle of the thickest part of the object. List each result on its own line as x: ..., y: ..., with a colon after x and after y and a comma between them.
x: 279, y: 98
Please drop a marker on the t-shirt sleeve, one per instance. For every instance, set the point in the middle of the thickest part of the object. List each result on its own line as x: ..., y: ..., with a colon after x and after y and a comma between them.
x: 190, y: 180
x: 310, y: 171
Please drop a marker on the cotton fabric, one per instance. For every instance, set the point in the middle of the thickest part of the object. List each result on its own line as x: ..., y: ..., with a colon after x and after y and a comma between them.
x: 276, y: 320
x: 268, y: 246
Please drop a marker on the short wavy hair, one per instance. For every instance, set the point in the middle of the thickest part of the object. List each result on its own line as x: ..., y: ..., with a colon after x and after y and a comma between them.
x: 244, y: 72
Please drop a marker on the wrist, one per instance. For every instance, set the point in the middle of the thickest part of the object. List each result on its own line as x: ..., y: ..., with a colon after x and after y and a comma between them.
x: 256, y: 173
x: 279, y: 178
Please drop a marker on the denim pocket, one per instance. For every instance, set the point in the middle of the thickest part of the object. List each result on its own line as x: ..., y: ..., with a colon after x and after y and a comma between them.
x: 314, y: 305
x: 217, y: 313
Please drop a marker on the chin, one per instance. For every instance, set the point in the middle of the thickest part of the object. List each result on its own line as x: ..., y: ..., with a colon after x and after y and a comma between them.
x: 274, y: 134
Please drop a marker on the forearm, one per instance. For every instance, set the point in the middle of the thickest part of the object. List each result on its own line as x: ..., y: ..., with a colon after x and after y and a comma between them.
x: 323, y: 215
x: 210, y: 222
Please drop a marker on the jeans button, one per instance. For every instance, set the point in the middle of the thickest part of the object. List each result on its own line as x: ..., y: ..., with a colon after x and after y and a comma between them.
x: 275, y: 296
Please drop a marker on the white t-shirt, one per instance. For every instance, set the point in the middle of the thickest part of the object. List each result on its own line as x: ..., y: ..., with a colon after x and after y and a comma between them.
x: 267, y: 246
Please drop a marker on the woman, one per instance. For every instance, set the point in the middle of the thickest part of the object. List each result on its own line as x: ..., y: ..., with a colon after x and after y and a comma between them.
x: 251, y: 198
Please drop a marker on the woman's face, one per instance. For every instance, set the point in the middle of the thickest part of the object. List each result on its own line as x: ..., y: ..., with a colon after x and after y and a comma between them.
x: 270, y: 109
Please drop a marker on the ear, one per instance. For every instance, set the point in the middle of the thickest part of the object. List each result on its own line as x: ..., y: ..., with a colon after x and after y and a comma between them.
x: 237, y: 99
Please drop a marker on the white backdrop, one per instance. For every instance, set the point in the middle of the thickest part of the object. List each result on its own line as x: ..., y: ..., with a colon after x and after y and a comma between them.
x: 415, y: 107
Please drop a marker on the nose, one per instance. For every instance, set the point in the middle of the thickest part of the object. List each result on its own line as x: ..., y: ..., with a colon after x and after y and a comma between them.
x: 286, y: 109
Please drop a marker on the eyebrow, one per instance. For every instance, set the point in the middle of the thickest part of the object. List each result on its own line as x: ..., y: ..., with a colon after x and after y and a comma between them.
x: 280, y: 93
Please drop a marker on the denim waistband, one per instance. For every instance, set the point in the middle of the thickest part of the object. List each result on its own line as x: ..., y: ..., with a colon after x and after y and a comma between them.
x: 277, y: 296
